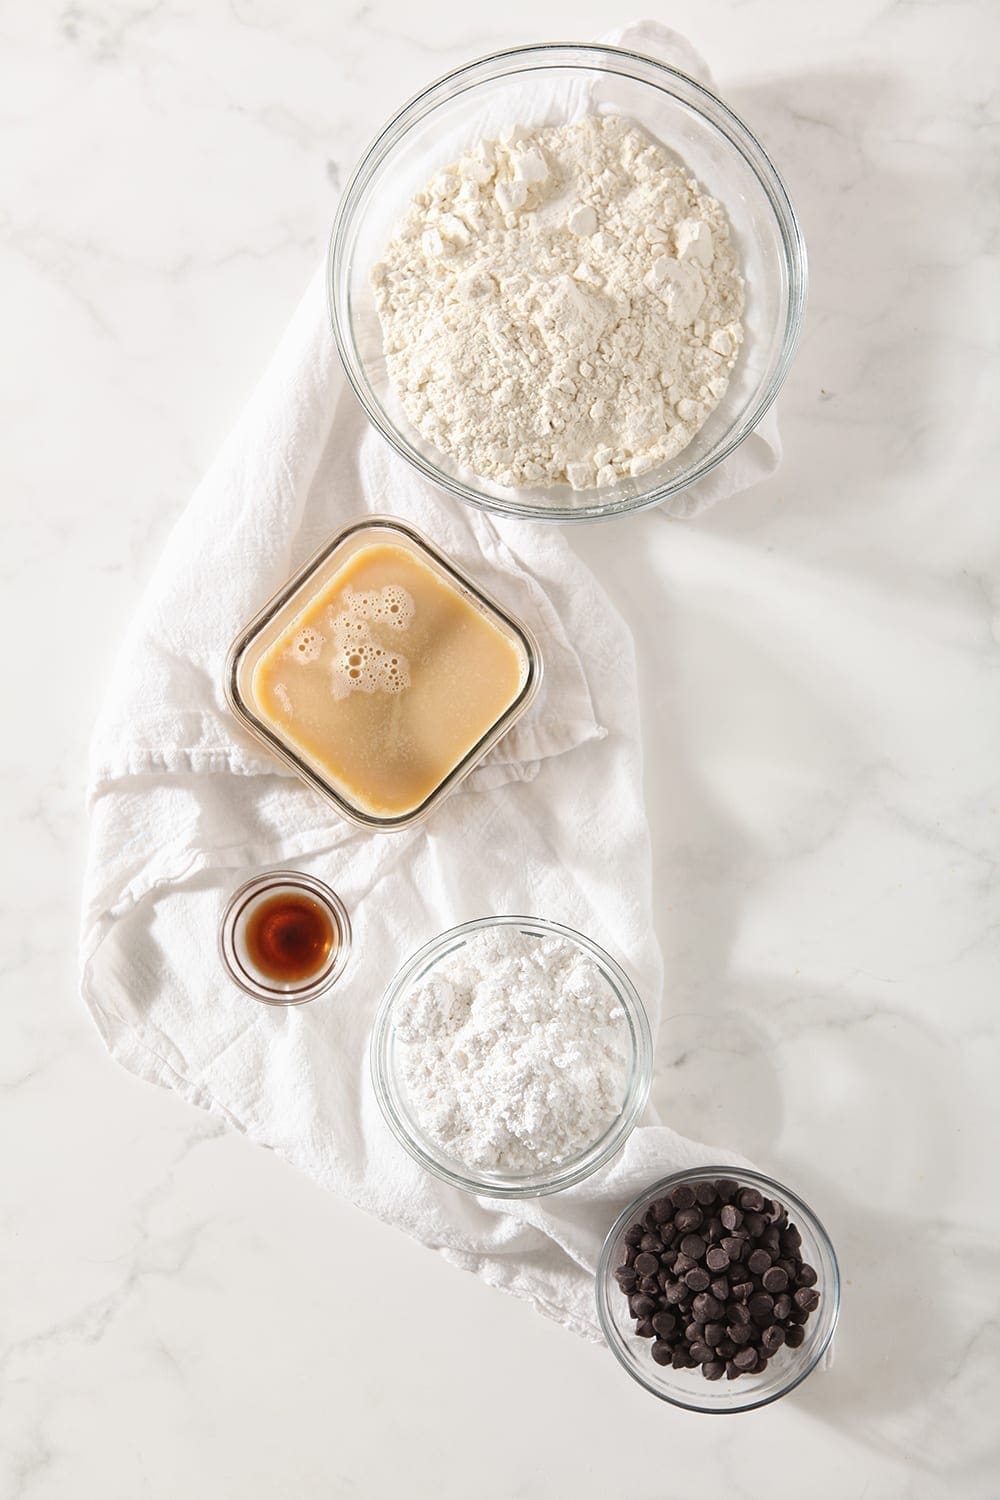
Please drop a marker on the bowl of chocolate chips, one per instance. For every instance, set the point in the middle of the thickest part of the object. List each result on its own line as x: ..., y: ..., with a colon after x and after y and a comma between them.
x: 717, y: 1290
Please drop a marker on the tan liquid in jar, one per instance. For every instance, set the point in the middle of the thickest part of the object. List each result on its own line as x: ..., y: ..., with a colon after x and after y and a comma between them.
x: 386, y: 679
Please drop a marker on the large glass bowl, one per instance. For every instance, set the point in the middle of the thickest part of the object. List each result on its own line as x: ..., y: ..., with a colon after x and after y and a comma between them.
x: 391, y: 1093
x: 546, y: 85
x: 689, y: 1388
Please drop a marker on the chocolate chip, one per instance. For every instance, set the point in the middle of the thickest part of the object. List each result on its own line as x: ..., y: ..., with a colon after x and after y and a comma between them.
x: 733, y: 1247
x: 782, y: 1307
x: 733, y: 1371
x: 677, y: 1293
x: 633, y: 1234
x: 626, y: 1279
x: 725, y: 1348
x: 706, y: 1308
x: 697, y: 1279
x: 738, y: 1273
x: 741, y: 1333
x: 795, y: 1337
x: 746, y: 1360
x: 661, y: 1352
x: 713, y: 1369
x: 648, y: 1284
x: 664, y: 1322
x: 641, y: 1306
x: 683, y: 1195
x: 645, y: 1329
x: 774, y: 1280
x: 750, y: 1198
x: 646, y: 1264
x: 738, y: 1312
x: 720, y: 1288
x: 806, y: 1276
x: 694, y: 1246
x: 688, y: 1218
x: 741, y: 1291
x: 630, y: 1254
x: 704, y: 1193
x: 701, y: 1352
x: 806, y: 1298
x: 717, y: 1259
x: 731, y: 1217
x: 790, y: 1239
x: 713, y: 1333
x: 726, y: 1189
x: 679, y: 1360
x: 754, y: 1224
x: 772, y: 1338
x: 662, y: 1211
x: 682, y: 1263
x: 759, y: 1262
x: 713, y: 1230
x: 761, y: 1307
x: 652, y: 1243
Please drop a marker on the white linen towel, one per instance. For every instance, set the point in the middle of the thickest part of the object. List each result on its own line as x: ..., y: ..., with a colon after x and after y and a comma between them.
x: 185, y: 807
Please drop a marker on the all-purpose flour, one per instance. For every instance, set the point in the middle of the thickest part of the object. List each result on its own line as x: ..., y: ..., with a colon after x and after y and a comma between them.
x: 514, y: 1052
x: 563, y: 306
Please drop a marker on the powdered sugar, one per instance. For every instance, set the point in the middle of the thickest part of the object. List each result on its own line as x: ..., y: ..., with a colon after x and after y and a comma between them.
x: 563, y: 306
x: 514, y: 1053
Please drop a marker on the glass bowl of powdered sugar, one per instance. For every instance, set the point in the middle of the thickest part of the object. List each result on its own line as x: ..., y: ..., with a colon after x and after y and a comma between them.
x: 511, y: 1056
x: 566, y: 282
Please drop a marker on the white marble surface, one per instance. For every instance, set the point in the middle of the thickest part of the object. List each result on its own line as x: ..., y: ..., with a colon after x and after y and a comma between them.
x: 180, y: 1313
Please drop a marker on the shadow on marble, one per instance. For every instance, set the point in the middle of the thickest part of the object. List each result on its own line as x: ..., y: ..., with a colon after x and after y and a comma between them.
x: 910, y: 1367
x: 863, y: 400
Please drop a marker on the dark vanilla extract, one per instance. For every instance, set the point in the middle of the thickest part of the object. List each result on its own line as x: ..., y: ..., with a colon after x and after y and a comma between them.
x: 290, y: 937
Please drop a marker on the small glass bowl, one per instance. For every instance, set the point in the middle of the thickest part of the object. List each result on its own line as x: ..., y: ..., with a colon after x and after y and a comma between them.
x: 391, y: 1093
x: 544, y: 85
x: 241, y: 906
x: 689, y: 1388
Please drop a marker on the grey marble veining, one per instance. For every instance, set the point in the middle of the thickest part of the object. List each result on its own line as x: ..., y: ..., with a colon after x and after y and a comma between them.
x: 820, y: 661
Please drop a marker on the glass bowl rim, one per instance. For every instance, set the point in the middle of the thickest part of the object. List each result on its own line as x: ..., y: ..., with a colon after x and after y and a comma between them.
x: 600, y: 57
x: 742, y: 1175
x: 599, y: 1152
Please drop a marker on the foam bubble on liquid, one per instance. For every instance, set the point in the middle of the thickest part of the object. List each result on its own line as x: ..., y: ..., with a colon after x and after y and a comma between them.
x: 284, y: 697
x: 360, y: 663
x: 307, y: 644
x: 391, y: 605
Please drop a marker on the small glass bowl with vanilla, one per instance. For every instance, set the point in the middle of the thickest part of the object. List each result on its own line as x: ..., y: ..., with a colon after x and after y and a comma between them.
x: 285, y: 937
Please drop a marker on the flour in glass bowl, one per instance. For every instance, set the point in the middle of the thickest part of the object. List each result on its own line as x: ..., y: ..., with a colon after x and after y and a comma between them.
x: 562, y: 306
x: 513, y: 1051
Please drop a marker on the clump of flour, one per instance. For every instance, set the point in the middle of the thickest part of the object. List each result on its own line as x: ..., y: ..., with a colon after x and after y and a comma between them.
x: 514, y: 1052
x: 563, y: 306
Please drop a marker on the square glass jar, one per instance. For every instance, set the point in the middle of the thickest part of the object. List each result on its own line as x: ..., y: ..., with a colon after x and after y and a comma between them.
x: 345, y: 644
